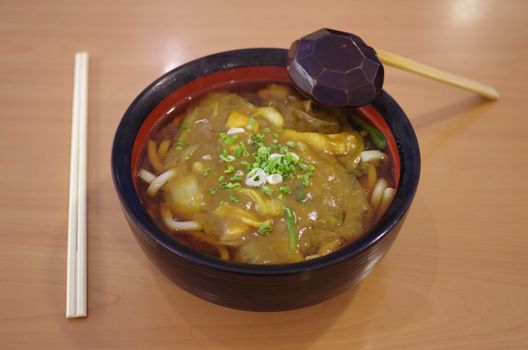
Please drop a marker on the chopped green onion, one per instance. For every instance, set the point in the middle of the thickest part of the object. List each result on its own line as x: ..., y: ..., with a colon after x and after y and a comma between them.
x: 250, y: 124
x: 257, y: 139
x: 291, y: 144
x: 222, y: 202
x: 246, y: 164
x: 227, y: 159
x: 212, y: 190
x: 242, y: 149
x: 263, y: 151
x: 230, y: 168
x: 284, y: 189
x: 236, y: 178
x: 293, y: 157
x: 267, y: 190
x: 305, y: 178
x: 265, y: 229
x: 303, y: 166
x: 293, y: 234
x: 242, y: 146
x: 266, y: 130
x: 207, y: 171
x: 230, y: 186
x: 234, y: 186
x: 221, y: 178
x: 228, y: 140
x: 185, y: 126
x: 233, y: 198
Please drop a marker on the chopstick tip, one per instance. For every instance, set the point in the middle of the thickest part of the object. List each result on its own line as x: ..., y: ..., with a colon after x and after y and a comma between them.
x: 75, y: 316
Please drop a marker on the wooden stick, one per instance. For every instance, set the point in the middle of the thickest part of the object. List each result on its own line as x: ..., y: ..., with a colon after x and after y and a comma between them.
x: 76, y: 262
x: 81, y: 208
x: 397, y: 61
x: 71, y: 266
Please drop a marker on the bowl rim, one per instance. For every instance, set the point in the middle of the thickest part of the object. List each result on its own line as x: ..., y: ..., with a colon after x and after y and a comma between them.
x: 152, y: 95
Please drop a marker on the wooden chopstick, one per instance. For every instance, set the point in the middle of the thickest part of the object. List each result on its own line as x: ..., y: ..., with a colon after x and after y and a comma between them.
x: 397, y: 61
x: 76, y: 261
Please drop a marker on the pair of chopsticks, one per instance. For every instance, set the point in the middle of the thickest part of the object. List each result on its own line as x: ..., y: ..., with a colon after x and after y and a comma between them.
x: 76, y: 266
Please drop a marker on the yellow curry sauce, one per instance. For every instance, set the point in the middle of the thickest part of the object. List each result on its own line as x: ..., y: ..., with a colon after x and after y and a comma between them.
x: 264, y: 179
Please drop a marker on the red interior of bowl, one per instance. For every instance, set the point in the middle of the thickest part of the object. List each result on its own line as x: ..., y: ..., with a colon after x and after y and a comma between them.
x: 181, y: 97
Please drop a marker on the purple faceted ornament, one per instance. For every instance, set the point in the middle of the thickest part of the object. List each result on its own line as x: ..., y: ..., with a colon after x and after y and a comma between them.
x: 336, y: 69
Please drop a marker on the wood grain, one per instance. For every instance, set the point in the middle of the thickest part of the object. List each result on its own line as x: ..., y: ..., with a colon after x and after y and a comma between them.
x: 456, y: 278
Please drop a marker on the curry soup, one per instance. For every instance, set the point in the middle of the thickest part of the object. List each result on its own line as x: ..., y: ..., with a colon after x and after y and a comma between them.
x: 264, y: 176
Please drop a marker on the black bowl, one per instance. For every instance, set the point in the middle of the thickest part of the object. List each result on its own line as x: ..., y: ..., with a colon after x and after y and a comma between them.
x: 244, y: 286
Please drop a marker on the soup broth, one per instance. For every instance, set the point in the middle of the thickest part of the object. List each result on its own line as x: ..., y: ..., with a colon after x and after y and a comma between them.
x: 264, y: 176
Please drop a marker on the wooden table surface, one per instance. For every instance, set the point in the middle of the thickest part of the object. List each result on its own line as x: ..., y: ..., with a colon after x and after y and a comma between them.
x: 457, y: 276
